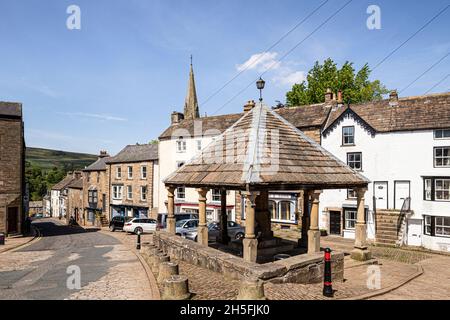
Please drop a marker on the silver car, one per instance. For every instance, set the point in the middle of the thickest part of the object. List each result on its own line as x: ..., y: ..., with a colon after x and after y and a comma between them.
x: 235, y: 231
x: 183, y: 226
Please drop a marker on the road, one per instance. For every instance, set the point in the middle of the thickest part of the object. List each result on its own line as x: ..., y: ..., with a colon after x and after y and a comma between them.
x: 108, y: 269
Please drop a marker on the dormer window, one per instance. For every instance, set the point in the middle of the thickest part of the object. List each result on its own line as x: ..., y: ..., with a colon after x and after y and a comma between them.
x: 348, y: 136
x: 181, y: 145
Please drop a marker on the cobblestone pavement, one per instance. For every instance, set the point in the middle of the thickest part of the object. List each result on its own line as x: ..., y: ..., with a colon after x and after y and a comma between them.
x: 14, y: 242
x: 108, y: 269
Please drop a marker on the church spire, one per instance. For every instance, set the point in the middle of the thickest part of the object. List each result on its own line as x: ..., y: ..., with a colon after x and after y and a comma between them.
x: 191, y: 104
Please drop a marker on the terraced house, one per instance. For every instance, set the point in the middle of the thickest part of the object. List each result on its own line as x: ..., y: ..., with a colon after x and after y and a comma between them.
x: 12, y: 168
x: 95, y: 191
x: 130, y: 176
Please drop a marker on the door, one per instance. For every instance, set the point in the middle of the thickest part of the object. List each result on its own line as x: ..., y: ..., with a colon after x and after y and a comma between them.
x: 414, y: 232
x: 335, y: 222
x: 401, y: 190
x: 380, y: 190
x: 13, y: 216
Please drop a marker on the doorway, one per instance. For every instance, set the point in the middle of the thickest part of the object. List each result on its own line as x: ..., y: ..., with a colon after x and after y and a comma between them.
x: 380, y: 192
x: 335, y: 222
x: 401, y: 192
x: 13, y: 218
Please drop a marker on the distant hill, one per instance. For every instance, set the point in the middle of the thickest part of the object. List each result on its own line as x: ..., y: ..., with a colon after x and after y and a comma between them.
x: 47, y: 159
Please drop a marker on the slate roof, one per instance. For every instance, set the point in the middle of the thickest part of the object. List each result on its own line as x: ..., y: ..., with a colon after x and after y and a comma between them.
x: 76, y: 184
x: 250, y: 149
x: 98, y: 165
x: 10, y: 109
x: 135, y: 153
x: 411, y: 113
x: 63, y: 183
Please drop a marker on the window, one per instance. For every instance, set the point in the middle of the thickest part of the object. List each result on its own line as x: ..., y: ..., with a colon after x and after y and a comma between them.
x: 143, y: 172
x: 103, y: 202
x: 442, y: 226
x: 199, y: 144
x: 130, y: 172
x: 216, y: 195
x: 285, y: 210
x: 181, y: 145
x: 118, y: 172
x: 273, y: 209
x: 354, y: 160
x: 117, y: 192
x: 181, y: 193
x: 143, y: 193
x: 348, y: 136
x: 351, y: 194
x: 442, y: 189
x: 427, y: 225
x: 88, y: 175
x: 442, y: 157
x: 129, y: 192
x: 442, y: 134
x: 92, y: 196
x: 350, y: 219
x: 427, y: 191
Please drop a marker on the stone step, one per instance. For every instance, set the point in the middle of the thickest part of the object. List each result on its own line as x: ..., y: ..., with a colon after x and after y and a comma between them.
x: 387, y: 227
x: 387, y: 239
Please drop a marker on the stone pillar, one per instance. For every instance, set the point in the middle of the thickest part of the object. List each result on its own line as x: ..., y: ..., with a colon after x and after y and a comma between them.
x: 303, y: 241
x: 202, y: 235
x: 361, y: 252
x: 314, y: 232
x: 262, y: 215
x: 250, y: 243
x: 170, y: 210
x: 223, y: 235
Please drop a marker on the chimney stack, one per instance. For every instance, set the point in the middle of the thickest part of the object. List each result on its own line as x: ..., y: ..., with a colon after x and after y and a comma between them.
x: 328, y: 95
x: 249, y: 106
x: 176, y: 117
x: 103, y: 154
x: 339, y: 96
x: 393, y: 98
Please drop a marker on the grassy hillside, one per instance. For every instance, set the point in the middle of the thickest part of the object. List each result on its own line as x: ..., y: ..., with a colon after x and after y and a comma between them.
x: 47, y: 159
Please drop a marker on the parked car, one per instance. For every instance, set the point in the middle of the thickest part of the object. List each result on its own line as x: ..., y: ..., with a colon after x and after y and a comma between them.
x: 117, y: 223
x: 39, y: 215
x: 183, y: 226
x: 140, y: 225
x: 162, y: 218
x: 235, y: 231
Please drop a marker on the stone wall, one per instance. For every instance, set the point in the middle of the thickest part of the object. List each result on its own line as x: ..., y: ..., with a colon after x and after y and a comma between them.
x: 306, y: 268
x: 99, y: 181
x: 11, y: 170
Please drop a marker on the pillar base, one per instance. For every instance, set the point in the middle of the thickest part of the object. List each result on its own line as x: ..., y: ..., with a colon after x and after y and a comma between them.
x: 251, y: 290
x: 361, y: 254
x: 171, y: 228
x: 202, y: 235
x: 250, y: 248
x: 313, y: 241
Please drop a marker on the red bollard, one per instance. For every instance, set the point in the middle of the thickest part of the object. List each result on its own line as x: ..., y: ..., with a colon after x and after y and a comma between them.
x: 327, y: 286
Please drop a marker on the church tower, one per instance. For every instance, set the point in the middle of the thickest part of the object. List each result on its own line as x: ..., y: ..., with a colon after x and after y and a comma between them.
x: 191, y: 104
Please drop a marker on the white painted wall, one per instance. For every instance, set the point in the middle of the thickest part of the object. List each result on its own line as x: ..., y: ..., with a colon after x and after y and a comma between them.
x: 389, y: 157
x: 54, y: 199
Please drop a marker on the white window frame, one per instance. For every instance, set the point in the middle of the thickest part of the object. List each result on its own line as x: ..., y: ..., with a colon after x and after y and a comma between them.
x: 144, y: 193
x: 428, y: 189
x: 130, y: 192
x: 117, y: 192
x: 347, y: 225
x: 143, y: 172
x: 349, y: 162
x: 183, y: 193
x: 119, y: 172
x: 347, y: 135
x: 427, y: 222
x: 445, y: 134
x: 442, y: 157
x: 440, y: 223
x: 130, y: 172
x: 215, y: 196
x: 442, y: 188
x: 181, y: 145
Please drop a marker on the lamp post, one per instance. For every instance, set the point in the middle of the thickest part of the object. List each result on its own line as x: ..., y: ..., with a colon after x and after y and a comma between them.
x: 260, y: 85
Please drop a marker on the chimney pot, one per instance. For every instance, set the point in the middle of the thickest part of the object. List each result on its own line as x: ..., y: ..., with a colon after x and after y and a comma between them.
x: 393, y: 98
x: 249, y: 106
x: 328, y: 95
x: 339, y: 96
x: 176, y: 117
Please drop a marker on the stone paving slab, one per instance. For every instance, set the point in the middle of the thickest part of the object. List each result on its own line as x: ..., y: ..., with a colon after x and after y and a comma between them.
x: 12, y: 243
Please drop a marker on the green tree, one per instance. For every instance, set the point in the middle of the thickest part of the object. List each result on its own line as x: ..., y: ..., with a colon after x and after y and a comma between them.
x: 355, y: 88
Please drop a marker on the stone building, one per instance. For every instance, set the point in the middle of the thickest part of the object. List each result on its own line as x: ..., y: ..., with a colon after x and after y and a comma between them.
x: 95, y: 190
x: 35, y: 207
x: 59, y: 194
x: 75, y: 200
x: 131, y: 174
x: 12, y: 168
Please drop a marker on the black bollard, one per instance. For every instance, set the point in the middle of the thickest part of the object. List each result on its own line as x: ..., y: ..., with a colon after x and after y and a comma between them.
x: 138, y: 241
x: 327, y: 286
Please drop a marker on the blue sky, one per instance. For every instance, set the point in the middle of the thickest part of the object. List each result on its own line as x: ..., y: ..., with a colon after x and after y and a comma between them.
x: 116, y: 81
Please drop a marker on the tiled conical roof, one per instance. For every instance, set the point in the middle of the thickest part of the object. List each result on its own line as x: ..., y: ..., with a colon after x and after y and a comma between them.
x: 263, y: 150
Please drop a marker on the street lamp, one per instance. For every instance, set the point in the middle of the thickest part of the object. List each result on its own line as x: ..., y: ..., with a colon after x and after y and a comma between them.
x: 260, y: 85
